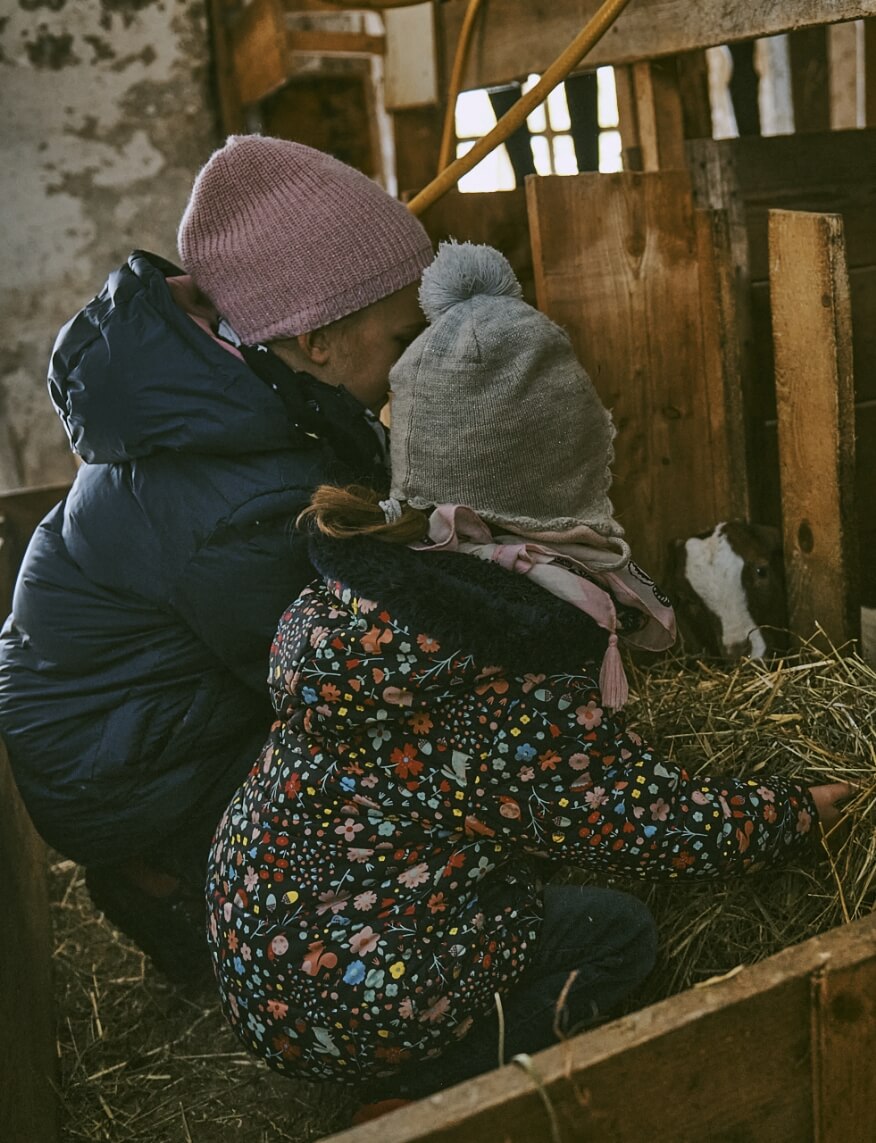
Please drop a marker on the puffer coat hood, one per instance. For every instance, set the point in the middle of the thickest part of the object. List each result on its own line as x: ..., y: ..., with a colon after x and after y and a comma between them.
x: 132, y: 374
x: 133, y: 666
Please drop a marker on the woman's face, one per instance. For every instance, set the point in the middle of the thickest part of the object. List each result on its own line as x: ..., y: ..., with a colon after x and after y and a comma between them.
x: 358, y: 351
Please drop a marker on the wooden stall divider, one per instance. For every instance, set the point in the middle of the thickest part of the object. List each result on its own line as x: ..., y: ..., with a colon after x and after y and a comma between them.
x: 28, y: 1057
x: 750, y: 1057
x: 618, y: 262
x: 812, y: 338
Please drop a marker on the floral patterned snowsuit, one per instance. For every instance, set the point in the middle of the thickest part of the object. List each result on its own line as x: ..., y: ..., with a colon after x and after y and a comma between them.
x: 374, y: 881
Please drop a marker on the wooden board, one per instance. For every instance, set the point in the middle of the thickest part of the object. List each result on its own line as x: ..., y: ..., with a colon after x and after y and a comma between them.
x: 812, y: 339
x: 411, y: 77
x: 332, y: 112
x: 521, y: 36
x: 617, y: 264
x: 28, y: 1108
x: 834, y: 172
x: 497, y: 219
x: 741, y: 1060
x: 28, y: 1060
x: 20, y: 512
x: 844, y: 1080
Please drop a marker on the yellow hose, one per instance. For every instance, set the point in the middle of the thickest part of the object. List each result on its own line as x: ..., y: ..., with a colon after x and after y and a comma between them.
x: 590, y: 34
x: 465, y: 33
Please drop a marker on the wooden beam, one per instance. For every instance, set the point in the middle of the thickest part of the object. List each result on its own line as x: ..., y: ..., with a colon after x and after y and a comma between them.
x: 263, y: 49
x: 736, y: 1060
x: 521, y: 36
x: 812, y: 337
x: 326, y: 43
x: 870, y: 72
x: 258, y: 47
x: 222, y: 15
x: 723, y: 367
x: 844, y: 75
x: 659, y: 115
x: 28, y: 1057
x: 810, y: 87
x: 693, y: 88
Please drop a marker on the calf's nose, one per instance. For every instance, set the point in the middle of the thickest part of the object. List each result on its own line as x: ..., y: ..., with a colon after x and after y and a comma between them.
x: 737, y: 650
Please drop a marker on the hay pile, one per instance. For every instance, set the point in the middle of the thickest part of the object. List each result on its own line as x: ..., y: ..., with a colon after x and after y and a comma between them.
x: 141, y: 1063
x: 811, y: 717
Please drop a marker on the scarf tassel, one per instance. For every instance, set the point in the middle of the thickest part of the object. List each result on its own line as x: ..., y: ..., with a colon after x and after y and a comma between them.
x: 612, y: 678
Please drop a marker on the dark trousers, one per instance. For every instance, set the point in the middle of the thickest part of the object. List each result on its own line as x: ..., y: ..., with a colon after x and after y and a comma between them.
x: 596, y: 945
x: 158, y: 901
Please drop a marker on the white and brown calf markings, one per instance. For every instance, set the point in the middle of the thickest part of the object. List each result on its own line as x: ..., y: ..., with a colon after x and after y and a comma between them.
x: 728, y: 587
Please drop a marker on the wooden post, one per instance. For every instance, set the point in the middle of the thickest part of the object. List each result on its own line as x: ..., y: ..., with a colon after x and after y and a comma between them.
x: 628, y: 118
x: 616, y: 260
x: 222, y: 14
x: 659, y: 115
x: 28, y: 1059
x: 723, y: 360
x: 812, y: 337
x: 870, y: 72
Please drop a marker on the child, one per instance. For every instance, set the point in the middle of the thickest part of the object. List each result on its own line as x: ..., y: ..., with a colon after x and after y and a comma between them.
x: 447, y: 700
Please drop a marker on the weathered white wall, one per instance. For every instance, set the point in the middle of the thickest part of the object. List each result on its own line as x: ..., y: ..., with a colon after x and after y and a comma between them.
x: 107, y: 115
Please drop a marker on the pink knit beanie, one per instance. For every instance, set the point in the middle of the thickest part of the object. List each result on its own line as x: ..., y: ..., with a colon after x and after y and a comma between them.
x: 284, y: 239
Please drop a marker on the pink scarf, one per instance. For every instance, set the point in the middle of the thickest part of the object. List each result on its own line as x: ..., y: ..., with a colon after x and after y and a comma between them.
x: 587, y: 584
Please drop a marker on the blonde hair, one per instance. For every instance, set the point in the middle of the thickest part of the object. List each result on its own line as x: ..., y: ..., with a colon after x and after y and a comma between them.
x: 355, y: 511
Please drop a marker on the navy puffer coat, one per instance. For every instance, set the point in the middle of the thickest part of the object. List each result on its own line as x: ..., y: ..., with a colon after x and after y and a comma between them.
x: 133, y: 666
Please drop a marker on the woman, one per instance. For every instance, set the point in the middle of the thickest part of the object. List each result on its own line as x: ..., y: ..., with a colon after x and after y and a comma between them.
x: 206, y: 402
x: 448, y: 703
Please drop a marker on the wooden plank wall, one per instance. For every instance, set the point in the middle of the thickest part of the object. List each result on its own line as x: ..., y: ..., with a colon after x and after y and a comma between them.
x: 831, y: 172
x: 620, y: 262
x: 782, y: 1052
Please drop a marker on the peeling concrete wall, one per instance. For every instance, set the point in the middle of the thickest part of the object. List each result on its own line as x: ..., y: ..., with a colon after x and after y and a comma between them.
x: 107, y: 115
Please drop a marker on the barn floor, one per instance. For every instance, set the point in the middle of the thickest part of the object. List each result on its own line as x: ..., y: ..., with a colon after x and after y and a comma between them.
x: 142, y: 1063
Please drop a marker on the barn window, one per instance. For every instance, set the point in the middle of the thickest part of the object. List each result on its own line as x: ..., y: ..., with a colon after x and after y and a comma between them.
x: 575, y: 129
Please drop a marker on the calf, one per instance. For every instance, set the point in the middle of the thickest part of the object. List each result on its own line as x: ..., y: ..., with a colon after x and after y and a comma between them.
x: 728, y: 587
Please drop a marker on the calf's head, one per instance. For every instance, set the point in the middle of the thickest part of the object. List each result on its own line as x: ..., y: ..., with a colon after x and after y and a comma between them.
x: 729, y: 590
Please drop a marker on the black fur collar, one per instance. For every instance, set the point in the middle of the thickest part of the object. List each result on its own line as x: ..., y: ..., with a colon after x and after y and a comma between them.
x: 498, y: 616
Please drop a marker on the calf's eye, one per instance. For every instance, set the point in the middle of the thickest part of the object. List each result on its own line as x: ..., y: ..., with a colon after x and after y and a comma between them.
x: 761, y: 571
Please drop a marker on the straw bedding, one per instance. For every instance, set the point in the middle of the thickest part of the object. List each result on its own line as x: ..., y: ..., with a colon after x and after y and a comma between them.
x: 141, y: 1062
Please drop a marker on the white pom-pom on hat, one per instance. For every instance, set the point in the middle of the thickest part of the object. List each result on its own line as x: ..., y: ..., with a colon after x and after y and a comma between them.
x: 462, y: 270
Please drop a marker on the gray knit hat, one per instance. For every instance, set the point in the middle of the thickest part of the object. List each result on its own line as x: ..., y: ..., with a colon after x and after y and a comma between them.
x: 492, y: 409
